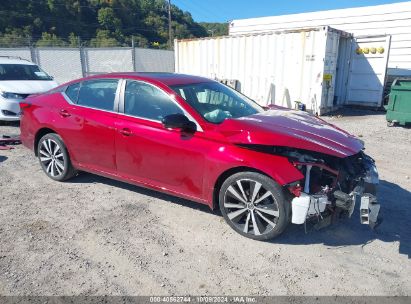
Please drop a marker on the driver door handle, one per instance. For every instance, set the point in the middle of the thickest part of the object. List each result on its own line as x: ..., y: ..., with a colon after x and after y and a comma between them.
x: 126, y: 132
x: 64, y: 113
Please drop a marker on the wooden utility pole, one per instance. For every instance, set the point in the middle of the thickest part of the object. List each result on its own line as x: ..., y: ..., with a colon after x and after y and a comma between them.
x: 170, y: 34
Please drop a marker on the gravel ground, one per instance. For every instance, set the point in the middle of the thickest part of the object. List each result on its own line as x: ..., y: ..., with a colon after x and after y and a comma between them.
x: 95, y: 236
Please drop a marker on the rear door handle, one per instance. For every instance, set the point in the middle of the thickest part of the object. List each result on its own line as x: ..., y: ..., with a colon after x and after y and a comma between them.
x: 64, y: 113
x: 126, y: 132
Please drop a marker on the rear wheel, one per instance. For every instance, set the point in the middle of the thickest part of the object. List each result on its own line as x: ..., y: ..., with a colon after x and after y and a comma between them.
x: 54, y: 158
x: 254, y: 205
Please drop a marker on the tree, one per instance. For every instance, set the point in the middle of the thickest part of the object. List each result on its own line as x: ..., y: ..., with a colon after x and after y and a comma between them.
x: 215, y: 29
x: 97, y: 22
x: 107, y: 19
x: 15, y: 38
x: 48, y: 39
x: 141, y: 41
x: 103, y: 39
x: 73, y: 40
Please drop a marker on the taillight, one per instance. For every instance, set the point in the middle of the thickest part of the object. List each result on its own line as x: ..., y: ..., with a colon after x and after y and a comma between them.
x: 24, y: 105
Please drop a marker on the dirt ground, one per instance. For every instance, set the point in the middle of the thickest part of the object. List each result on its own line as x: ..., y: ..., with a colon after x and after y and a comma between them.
x: 95, y: 236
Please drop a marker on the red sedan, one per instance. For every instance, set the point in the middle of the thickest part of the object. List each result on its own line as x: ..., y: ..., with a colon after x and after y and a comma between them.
x: 198, y: 139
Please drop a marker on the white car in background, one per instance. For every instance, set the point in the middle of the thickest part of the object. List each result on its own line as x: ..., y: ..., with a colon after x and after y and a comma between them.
x: 20, y: 78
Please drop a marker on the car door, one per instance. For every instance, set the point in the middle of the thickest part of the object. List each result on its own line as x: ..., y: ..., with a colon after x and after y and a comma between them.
x: 149, y: 153
x: 90, y: 133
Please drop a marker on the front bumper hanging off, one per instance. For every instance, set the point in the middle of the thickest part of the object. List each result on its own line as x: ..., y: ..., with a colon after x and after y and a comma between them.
x: 363, y: 195
x: 369, y: 207
x: 307, y: 206
x: 369, y: 210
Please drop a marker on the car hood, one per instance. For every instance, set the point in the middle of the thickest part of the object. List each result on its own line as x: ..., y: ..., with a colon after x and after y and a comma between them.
x: 27, y: 86
x: 290, y: 128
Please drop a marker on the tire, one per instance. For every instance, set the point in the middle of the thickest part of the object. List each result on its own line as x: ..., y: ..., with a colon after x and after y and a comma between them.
x: 54, y: 158
x: 242, y: 209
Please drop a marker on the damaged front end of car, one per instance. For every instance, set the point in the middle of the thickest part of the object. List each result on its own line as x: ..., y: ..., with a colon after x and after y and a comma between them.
x: 332, y: 186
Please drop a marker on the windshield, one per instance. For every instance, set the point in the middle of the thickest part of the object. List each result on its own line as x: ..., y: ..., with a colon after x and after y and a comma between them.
x: 216, y: 102
x: 22, y: 72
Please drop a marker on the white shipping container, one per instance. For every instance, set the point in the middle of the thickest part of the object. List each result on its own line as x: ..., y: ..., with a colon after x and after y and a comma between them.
x: 392, y: 19
x: 275, y: 68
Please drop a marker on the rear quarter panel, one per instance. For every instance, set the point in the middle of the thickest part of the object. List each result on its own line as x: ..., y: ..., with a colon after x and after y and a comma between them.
x: 43, y: 113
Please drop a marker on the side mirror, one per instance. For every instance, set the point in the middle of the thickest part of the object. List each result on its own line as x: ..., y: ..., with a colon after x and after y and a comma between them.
x: 179, y: 121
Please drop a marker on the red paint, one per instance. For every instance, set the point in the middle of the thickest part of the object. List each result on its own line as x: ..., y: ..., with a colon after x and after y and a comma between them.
x: 291, y: 128
x: 295, y: 190
x: 145, y: 153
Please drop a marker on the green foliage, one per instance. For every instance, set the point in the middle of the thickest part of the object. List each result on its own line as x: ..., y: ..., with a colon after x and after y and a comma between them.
x: 48, y: 39
x: 141, y: 41
x: 103, y: 39
x: 97, y: 22
x: 107, y: 18
x: 74, y: 40
x: 215, y: 29
x: 14, y: 38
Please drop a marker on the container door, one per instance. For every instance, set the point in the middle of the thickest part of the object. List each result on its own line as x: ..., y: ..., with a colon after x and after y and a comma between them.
x: 343, y: 68
x: 369, y: 58
x: 330, y: 69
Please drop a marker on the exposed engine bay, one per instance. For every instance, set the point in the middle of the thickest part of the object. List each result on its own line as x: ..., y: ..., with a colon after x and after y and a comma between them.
x: 332, y: 186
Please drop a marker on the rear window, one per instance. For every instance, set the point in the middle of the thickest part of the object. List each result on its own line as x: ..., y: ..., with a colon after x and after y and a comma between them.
x: 72, y: 92
x: 22, y: 72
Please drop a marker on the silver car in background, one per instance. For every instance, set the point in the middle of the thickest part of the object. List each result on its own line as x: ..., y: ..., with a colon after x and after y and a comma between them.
x: 20, y: 78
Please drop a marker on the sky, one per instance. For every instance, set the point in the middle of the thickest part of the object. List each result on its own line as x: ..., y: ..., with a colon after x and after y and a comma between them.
x: 227, y: 10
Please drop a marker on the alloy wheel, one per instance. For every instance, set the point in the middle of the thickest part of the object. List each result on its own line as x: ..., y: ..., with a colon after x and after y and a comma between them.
x: 52, y: 157
x: 250, y: 207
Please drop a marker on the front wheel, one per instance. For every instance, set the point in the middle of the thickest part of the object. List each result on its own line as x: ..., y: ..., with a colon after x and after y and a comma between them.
x: 54, y: 158
x: 254, y: 205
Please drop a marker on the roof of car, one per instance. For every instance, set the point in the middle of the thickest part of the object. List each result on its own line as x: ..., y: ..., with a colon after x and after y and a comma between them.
x: 14, y: 60
x: 165, y: 78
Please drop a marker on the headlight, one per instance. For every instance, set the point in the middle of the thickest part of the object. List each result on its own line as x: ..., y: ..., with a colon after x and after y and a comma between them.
x: 371, y: 176
x: 362, y: 142
x: 8, y: 95
x: 371, y: 173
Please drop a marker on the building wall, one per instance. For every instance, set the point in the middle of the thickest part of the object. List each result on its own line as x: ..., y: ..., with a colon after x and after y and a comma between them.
x: 391, y: 19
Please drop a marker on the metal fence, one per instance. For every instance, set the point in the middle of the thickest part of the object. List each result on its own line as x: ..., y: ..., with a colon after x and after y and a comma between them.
x: 66, y: 64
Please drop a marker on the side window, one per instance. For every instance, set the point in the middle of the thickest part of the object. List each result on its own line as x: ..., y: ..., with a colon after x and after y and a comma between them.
x: 213, y: 97
x: 98, y: 94
x: 72, y: 91
x: 146, y: 101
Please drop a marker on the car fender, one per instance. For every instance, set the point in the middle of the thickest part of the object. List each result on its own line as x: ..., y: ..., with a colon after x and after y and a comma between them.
x: 229, y: 158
